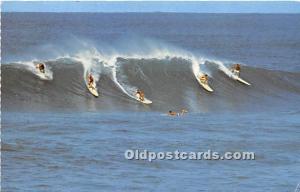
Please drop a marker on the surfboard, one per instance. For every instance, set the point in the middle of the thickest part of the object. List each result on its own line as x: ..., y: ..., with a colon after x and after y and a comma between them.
x: 235, y: 76
x: 205, y: 85
x: 242, y: 81
x: 93, y: 89
x: 145, y: 101
x: 43, y: 75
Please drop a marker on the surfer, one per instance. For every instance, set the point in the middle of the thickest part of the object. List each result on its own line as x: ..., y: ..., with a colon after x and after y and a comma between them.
x: 204, y: 78
x: 41, y: 67
x: 236, y: 69
x: 91, y: 85
x: 90, y: 80
x: 140, y: 94
x: 173, y: 113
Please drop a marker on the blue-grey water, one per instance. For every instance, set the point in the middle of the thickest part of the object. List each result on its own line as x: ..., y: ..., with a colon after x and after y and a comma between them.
x: 57, y: 137
x: 85, y: 152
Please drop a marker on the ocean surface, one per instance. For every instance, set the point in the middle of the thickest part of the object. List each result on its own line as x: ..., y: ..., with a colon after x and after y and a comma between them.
x: 56, y: 136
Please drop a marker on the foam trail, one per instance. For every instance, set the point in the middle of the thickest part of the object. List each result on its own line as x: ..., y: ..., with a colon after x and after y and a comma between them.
x: 196, y: 67
x: 111, y: 62
x: 114, y: 76
x: 223, y: 68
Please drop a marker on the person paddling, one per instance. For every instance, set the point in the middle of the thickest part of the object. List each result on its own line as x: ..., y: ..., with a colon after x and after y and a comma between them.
x: 173, y: 113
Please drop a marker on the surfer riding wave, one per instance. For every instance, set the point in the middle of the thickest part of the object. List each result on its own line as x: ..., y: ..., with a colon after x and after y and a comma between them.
x: 169, y: 84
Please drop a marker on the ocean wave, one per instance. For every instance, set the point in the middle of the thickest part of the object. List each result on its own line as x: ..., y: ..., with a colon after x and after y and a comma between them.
x: 168, y: 78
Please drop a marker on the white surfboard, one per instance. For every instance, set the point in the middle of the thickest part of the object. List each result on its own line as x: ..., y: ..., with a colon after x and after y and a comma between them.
x: 43, y: 75
x: 145, y: 101
x: 205, y: 85
x: 242, y: 81
x: 93, y: 89
x: 235, y: 76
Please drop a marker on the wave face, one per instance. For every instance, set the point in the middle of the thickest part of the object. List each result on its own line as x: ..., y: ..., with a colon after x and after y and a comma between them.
x: 169, y: 81
x: 160, y: 53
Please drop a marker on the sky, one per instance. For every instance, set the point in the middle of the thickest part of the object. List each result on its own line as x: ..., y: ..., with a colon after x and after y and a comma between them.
x: 153, y: 6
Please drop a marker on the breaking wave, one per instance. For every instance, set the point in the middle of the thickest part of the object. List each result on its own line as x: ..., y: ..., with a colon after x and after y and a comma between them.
x: 167, y: 76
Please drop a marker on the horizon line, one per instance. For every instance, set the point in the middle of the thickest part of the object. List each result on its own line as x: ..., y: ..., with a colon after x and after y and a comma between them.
x: 284, y: 7
x: 270, y: 13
